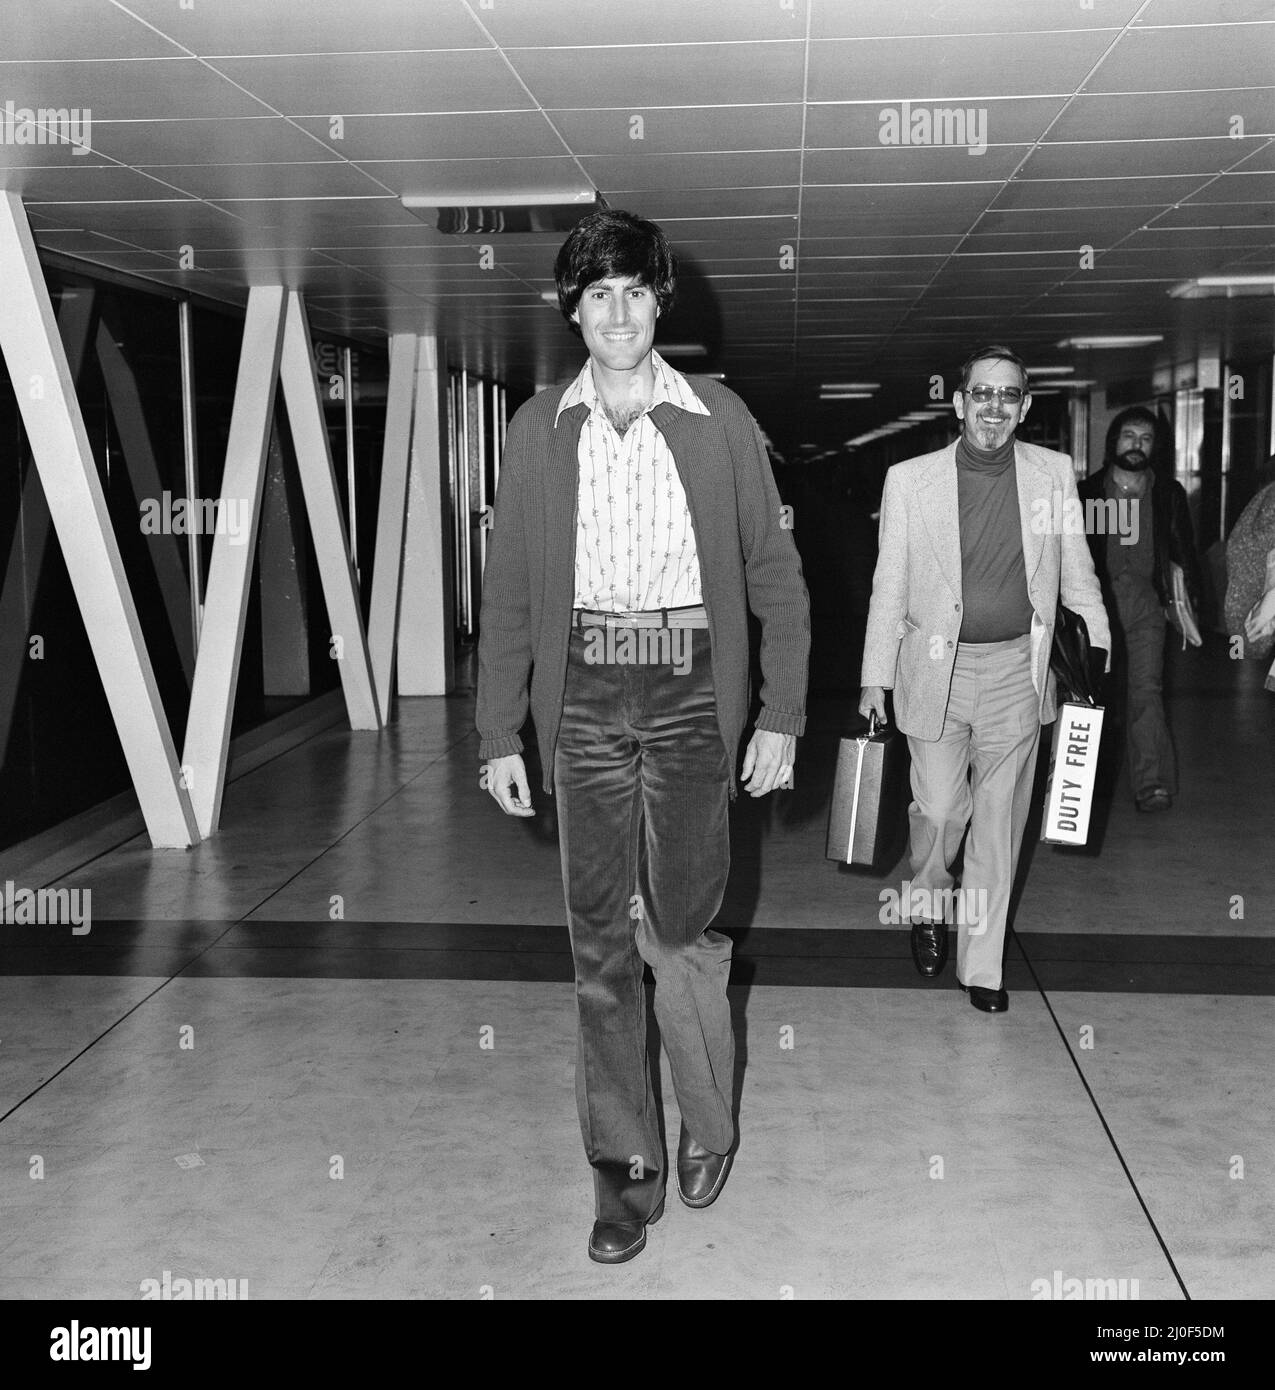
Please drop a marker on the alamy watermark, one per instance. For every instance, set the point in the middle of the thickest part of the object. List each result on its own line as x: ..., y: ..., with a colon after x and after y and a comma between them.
x: 47, y: 907
x: 180, y: 1289
x: 47, y: 125
x: 940, y: 125
x: 1062, y: 1287
x: 639, y: 646
x: 960, y: 907
x: 199, y: 516
x: 1095, y: 516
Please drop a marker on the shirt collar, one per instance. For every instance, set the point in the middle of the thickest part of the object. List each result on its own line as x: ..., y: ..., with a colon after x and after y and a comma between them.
x: 671, y: 388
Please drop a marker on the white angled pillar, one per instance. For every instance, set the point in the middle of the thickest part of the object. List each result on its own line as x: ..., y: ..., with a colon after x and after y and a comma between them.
x: 391, y: 516
x: 426, y: 618
x: 45, y: 391
x: 212, y: 696
x: 348, y: 640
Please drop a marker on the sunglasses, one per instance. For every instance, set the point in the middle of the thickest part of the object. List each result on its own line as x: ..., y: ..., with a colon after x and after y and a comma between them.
x: 982, y: 394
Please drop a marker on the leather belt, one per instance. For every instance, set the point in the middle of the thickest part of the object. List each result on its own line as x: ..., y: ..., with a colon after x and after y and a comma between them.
x: 694, y: 616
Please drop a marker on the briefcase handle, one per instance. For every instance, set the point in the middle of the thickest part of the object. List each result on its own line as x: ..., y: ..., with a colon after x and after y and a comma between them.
x: 872, y: 727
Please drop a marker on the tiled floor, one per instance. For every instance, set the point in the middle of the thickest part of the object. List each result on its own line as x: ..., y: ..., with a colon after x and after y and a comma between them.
x: 330, y: 1052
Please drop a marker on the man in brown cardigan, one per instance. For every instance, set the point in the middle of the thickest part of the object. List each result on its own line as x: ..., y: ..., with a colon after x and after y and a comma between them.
x: 636, y: 524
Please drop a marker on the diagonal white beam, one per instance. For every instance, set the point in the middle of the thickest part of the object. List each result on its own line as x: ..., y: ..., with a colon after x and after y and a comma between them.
x: 323, y: 508
x: 45, y: 390
x: 426, y: 617
x: 391, y: 516
x: 212, y: 695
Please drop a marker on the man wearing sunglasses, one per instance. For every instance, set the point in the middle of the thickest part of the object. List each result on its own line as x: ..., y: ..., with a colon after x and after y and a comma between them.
x: 960, y: 627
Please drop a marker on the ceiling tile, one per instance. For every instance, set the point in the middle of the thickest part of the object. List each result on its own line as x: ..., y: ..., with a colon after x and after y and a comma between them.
x: 1194, y: 58
x: 949, y: 71
x: 1238, y: 188
x: 719, y: 203
x: 1098, y: 193
x: 641, y: 79
x: 670, y: 130
x: 316, y: 26
x: 248, y: 139
x: 1091, y: 226
x: 1132, y: 158
x: 550, y: 23
x: 889, y: 19
x: 314, y: 179
x: 911, y: 165
x: 368, y: 83
x: 86, y: 183
x: 462, y: 178
x: 1161, y: 116
x: 145, y: 89
x: 486, y: 134
x: 860, y: 125
x: 52, y: 32
x: 1216, y: 215
x: 914, y: 199
x: 1191, y: 12
x: 665, y: 172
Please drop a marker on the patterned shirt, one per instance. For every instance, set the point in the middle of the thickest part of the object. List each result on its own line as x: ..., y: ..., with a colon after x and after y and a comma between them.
x: 635, y: 544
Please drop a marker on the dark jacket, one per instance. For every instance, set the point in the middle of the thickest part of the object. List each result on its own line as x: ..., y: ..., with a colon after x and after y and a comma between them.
x: 1170, y: 527
x: 747, y: 560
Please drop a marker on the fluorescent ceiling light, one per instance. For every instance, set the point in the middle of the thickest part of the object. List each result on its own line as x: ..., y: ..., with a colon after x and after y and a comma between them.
x: 917, y: 415
x: 1113, y: 340
x: 1072, y: 384
x: 1049, y: 371
x: 492, y: 211
x: 851, y: 386
x: 845, y: 395
x: 681, y: 349
x: 1223, y: 287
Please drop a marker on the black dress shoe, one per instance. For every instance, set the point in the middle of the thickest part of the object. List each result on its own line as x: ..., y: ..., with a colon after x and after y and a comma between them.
x: 613, y: 1242
x: 991, y: 1001
x: 701, y: 1174
x: 929, y: 947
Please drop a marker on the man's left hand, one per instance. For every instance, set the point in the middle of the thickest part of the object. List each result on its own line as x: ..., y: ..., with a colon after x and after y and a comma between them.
x: 768, y: 762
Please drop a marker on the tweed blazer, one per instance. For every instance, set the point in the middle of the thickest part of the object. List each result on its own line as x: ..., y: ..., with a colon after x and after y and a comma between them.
x: 914, y: 620
x: 747, y: 560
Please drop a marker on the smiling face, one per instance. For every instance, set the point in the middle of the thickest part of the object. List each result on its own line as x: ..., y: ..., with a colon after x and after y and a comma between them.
x: 988, y: 424
x: 617, y: 322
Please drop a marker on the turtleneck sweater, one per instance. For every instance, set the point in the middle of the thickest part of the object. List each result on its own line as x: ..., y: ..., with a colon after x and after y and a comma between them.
x: 995, y: 604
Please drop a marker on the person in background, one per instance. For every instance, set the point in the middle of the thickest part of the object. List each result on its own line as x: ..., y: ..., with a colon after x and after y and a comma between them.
x: 1250, y: 571
x: 961, y: 622
x: 1134, y: 566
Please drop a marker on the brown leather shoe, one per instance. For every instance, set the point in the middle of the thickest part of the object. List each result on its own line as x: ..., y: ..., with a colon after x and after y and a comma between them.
x: 614, y: 1242
x: 701, y: 1174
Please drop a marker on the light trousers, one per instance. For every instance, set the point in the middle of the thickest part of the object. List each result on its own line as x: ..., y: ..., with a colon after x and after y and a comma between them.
x: 977, y: 773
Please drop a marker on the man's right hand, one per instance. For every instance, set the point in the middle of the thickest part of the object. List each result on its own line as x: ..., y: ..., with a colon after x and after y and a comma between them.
x: 506, y: 780
x: 872, y: 701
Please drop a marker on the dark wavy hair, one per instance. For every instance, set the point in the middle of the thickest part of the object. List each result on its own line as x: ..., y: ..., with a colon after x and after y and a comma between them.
x: 1134, y: 412
x: 611, y: 242
x: 993, y: 352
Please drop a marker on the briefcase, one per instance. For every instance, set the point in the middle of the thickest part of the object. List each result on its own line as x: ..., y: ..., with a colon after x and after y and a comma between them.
x: 1073, y: 766
x: 869, y: 799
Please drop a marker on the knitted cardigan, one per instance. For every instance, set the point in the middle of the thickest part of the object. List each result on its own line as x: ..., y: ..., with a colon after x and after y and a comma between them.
x: 747, y: 560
